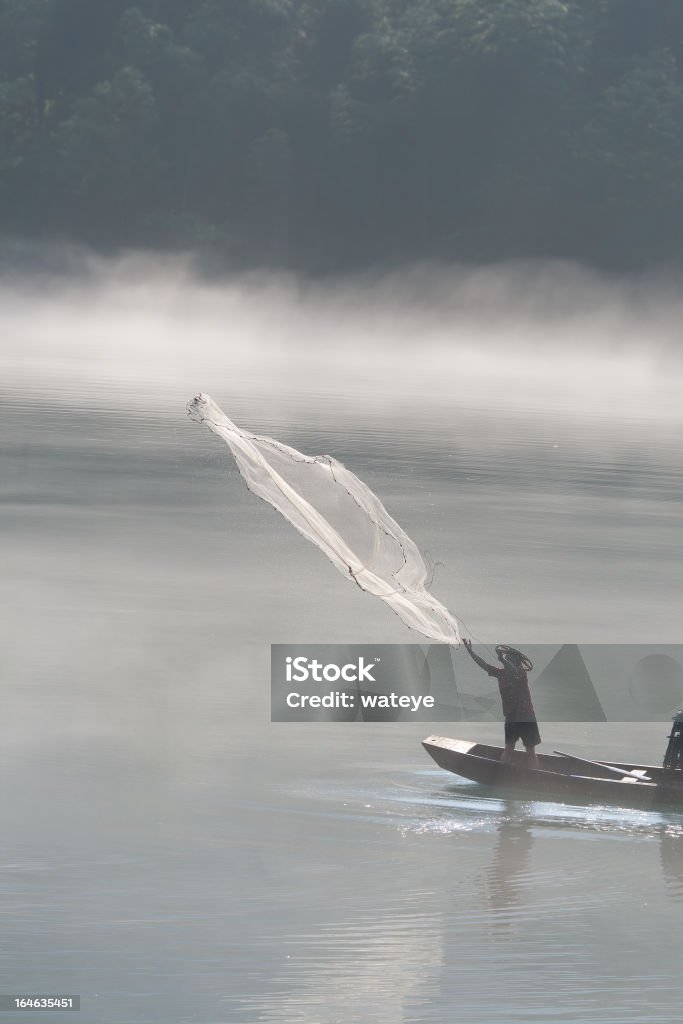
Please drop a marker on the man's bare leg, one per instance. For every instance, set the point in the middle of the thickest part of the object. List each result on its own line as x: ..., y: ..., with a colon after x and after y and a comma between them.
x: 531, y: 759
x: 508, y: 753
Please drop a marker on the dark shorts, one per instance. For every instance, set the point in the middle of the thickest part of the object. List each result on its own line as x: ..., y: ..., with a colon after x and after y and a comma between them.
x: 527, y: 732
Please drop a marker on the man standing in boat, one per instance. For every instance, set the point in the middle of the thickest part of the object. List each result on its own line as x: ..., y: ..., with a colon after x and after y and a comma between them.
x: 520, y: 717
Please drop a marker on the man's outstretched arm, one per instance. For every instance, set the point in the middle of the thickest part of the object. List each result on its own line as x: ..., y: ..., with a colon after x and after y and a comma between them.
x: 491, y: 669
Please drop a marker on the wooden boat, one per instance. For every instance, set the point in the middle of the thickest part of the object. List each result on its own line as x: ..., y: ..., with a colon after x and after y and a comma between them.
x: 561, y: 777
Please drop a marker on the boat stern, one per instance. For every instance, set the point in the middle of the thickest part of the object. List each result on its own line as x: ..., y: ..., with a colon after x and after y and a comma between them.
x: 433, y: 743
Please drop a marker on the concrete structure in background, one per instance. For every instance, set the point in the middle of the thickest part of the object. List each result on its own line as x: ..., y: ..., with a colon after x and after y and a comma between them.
x: 589, y: 682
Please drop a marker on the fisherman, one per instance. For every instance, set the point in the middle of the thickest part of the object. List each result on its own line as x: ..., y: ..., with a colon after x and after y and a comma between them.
x: 520, y: 717
x: 673, y: 759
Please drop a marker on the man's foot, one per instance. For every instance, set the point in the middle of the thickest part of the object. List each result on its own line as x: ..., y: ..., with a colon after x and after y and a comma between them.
x: 532, y: 760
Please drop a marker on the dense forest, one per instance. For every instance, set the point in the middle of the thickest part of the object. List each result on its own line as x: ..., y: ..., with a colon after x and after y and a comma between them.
x: 340, y: 133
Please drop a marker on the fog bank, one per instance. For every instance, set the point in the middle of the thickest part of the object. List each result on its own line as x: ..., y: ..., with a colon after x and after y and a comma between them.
x: 145, y: 331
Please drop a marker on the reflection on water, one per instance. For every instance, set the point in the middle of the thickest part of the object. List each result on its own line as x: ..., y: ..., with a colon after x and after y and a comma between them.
x: 362, y: 967
x: 173, y: 856
x: 509, y: 867
x: 515, y: 890
x: 671, y: 849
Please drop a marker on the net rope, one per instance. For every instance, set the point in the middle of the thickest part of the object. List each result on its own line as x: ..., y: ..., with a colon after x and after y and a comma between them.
x: 338, y: 513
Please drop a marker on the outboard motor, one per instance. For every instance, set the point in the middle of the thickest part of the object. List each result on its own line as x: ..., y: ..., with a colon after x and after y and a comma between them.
x: 674, y: 752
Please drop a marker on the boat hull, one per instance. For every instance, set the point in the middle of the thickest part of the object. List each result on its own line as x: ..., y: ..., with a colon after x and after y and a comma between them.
x: 557, y: 777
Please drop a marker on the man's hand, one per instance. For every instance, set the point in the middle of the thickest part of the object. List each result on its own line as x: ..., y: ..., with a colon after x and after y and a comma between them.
x: 467, y: 643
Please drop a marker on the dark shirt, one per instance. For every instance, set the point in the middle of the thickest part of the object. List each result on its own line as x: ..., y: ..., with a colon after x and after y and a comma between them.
x: 514, y: 690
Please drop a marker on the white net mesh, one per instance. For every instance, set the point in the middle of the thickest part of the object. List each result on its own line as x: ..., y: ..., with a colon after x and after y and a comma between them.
x: 339, y: 514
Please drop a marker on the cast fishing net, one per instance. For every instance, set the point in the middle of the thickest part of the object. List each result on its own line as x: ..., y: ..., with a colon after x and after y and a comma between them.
x: 338, y: 513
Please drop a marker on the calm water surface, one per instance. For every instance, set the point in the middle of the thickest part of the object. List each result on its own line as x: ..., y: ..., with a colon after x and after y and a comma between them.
x: 171, y: 855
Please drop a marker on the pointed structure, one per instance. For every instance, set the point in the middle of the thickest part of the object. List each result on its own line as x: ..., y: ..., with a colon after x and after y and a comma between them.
x: 436, y: 677
x: 564, y: 690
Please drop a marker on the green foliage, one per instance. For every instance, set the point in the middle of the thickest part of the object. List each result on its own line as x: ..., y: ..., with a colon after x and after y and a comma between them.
x: 104, y: 162
x: 330, y: 132
x: 21, y: 22
x: 631, y: 150
x: 18, y: 122
x: 636, y: 128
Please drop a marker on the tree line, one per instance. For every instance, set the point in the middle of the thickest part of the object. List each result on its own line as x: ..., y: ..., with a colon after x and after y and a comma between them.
x: 342, y: 133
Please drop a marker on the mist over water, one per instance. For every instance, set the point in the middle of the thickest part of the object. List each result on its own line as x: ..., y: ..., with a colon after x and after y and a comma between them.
x: 549, y: 339
x: 522, y: 422
x: 523, y: 425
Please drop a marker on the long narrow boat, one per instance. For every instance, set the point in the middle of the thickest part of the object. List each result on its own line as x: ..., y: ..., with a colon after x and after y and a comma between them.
x: 561, y: 777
